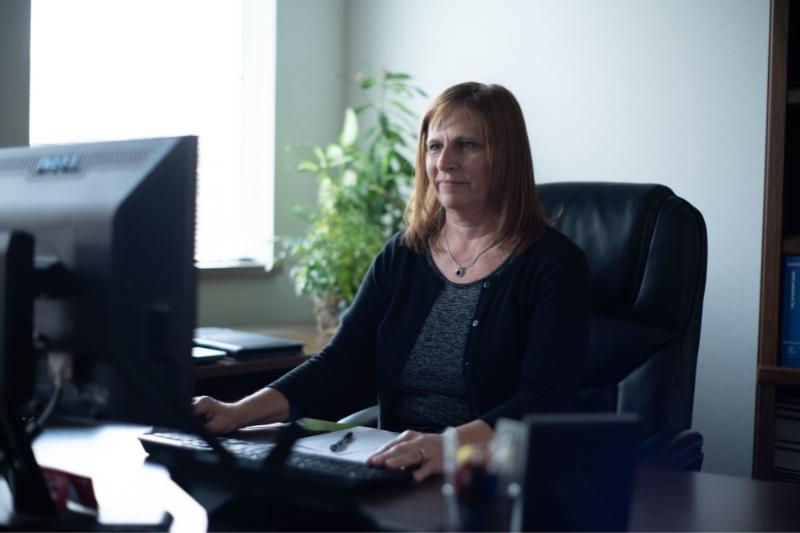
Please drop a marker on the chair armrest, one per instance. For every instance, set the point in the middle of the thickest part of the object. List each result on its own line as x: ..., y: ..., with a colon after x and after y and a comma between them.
x: 674, y: 449
x: 364, y: 417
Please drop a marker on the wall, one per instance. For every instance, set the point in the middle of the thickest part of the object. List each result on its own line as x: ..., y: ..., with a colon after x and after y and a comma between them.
x: 15, y: 45
x: 626, y: 90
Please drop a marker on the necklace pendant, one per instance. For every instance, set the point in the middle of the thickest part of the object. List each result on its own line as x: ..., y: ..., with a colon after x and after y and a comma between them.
x: 460, y: 272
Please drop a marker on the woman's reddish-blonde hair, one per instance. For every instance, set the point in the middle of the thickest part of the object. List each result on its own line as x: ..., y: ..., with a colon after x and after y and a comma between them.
x: 513, y: 190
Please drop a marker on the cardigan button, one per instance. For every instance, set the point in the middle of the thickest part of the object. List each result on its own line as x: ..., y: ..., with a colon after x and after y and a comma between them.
x: 474, y: 323
x: 486, y: 284
x: 467, y: 365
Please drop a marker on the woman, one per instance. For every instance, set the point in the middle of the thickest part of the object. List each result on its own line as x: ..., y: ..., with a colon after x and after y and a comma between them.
x: 478, y: 310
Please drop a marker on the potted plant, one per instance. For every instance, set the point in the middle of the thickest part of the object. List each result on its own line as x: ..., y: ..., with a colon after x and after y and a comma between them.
x: 364, y: 178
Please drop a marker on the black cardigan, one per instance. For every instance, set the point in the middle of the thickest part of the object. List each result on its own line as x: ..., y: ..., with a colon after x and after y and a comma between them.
x: 524, y: 353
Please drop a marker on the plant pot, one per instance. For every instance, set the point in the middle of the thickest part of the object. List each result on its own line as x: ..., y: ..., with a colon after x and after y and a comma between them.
x: 326, y: 311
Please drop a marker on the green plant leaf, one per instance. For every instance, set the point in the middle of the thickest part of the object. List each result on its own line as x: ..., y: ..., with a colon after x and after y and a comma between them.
x: 333, y: 151
x: 307, y: 166
x: 403, y: 109
x: 349, y: 178
x: 323, y: 162
x: 327, y: 193
x: 383, y: 120
x: 394, y: 137
x: 397, y: 76
x: 399, y: 88
x: 349, y: 134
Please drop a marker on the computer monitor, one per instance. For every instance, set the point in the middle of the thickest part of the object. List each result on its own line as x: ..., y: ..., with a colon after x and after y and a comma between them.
x: 97, y: 275
x: 113, y: 232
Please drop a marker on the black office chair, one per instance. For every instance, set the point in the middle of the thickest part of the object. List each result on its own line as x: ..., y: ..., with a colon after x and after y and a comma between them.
x: 647, y: 251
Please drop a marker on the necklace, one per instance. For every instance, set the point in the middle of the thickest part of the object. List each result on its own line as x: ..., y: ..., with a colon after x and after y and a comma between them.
x: 460, y: 269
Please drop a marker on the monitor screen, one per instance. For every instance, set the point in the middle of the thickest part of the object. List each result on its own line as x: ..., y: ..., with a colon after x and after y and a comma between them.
x: 112, y: 227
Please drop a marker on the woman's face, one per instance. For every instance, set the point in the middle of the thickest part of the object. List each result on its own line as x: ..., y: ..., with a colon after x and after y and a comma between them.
x: 458, y: 164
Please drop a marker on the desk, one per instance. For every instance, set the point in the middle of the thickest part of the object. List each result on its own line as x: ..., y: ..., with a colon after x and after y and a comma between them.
x: 231, y: 379
x: 128, y: 489
x: 664, y: 501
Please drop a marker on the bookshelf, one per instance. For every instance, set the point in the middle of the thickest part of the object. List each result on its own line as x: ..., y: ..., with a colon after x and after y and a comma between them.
x: 777, y: 387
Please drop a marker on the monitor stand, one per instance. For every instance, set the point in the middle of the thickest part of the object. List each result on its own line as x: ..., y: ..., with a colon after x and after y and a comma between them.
x: 32, y: 507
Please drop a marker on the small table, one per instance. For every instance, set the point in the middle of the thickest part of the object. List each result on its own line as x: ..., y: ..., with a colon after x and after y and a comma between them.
x: 230, y: 379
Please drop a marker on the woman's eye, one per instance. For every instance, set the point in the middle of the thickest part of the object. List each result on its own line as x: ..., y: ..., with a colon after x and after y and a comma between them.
x: 434, y: 147
x: 467, y: 145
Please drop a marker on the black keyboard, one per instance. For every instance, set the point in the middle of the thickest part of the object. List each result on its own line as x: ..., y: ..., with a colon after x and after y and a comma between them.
x: 348, y: 474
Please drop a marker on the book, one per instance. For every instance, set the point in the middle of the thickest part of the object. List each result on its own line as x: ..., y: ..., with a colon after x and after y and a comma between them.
x: 785, y: 474
x: 786, y: 459
x: 787, y: 429
x: 245, y: 344
x: 787, y: 400
x: 787, y: 413
x: 203, y: 356
x: 787, y: 445
x: 790, y: 324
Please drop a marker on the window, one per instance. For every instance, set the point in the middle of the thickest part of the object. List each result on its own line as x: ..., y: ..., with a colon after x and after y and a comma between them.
x: 105, y: 70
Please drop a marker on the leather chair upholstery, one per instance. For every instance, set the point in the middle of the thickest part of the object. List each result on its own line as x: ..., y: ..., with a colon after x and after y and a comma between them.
x: 646, y: 249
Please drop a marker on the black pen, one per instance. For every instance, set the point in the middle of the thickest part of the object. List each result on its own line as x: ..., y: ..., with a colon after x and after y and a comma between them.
x: 342, y: 443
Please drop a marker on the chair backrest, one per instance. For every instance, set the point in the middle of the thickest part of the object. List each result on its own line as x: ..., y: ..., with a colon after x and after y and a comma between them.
x: 647, y: 251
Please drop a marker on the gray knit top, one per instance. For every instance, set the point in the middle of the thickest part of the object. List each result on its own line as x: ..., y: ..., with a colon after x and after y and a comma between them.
x: 431, y: 394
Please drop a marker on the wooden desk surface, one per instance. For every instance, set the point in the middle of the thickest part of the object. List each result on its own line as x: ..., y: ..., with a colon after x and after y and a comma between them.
x: 663, y: 501
x: 127, y: 486
x: 129, y: 490
x: 313, y: 341
x: 701, y: 501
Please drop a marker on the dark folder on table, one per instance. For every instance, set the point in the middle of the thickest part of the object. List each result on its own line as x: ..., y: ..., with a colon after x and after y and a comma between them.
x: 245, y: 344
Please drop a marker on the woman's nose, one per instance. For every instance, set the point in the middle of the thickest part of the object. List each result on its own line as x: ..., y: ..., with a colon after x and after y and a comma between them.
x: 447, y: 160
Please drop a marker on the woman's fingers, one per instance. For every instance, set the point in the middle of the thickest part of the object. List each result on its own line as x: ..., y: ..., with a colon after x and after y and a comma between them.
x: 427, y: 468
x: 390, y: 449
x: 407, y: 455
x: 411, y: 450
x: 384, y: 454
x: 402, y: 437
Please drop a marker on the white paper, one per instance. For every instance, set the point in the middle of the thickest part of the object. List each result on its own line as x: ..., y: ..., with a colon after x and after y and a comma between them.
x: 365, y: 442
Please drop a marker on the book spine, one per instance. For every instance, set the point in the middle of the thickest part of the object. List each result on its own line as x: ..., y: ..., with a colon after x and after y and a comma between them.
x: 790, y: 331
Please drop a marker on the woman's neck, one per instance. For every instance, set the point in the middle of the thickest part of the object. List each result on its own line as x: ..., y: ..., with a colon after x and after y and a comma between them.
x: 468, y: 229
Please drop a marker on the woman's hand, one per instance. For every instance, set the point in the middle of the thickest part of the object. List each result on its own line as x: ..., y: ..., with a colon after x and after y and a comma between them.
x: 411, y: 449
x: 265, y: 406
x: 220, y: 417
